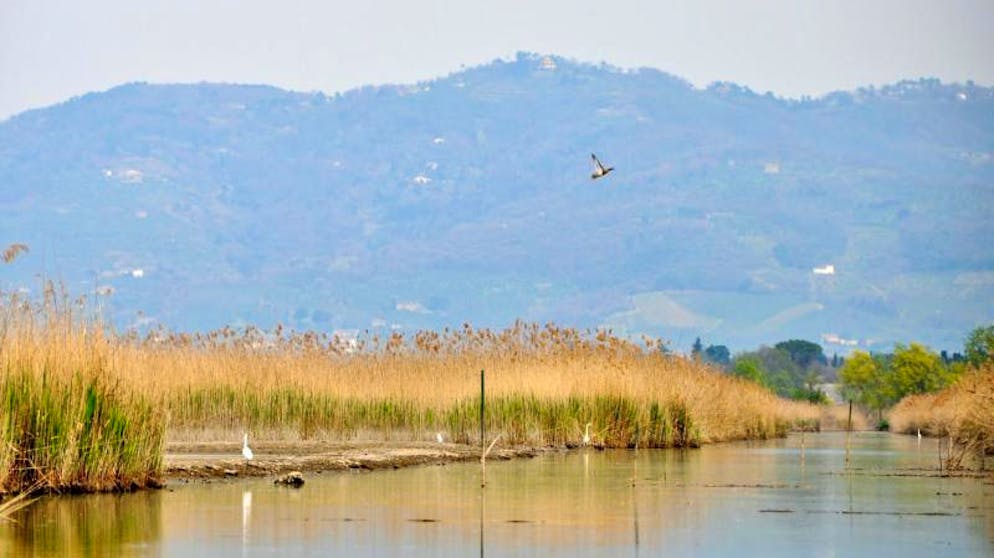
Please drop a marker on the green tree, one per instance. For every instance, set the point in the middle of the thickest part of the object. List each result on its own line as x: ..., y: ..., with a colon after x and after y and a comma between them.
x: 718, y: 354
x: 865, y: 380
x: 775, y: 370
x: 783, y: 376
x: 979, y: 346
x: 749, y: 368
x: 695, y: 351
x: 803, y: 353
x: 915, y: 369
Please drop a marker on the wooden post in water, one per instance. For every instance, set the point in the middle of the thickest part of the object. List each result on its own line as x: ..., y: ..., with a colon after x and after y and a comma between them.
x: 848, y: 433
x: 802, y: 448
x: 483, y: 433
x: 483, y: 462
x: 635, y: 463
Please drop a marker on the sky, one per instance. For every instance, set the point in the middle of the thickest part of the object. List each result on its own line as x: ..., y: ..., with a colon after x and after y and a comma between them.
x: 52, y: 50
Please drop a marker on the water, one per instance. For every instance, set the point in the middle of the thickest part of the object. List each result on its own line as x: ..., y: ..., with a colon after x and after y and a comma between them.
x: 749, y: 499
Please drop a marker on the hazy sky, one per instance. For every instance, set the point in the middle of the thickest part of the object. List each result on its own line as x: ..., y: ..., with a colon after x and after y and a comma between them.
x: 51, y: 50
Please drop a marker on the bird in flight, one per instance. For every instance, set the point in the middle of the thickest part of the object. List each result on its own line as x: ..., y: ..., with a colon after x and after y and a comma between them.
x: 599, y: 169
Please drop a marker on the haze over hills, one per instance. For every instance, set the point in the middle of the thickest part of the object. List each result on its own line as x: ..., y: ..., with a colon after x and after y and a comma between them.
x: 468, y: 199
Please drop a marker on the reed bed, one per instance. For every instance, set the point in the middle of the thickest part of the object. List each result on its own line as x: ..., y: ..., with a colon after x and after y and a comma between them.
x: 66, y: 422
x: 964, y: 412
x: 838, y: 417
x: 544, y: 384
x: 88, y: 409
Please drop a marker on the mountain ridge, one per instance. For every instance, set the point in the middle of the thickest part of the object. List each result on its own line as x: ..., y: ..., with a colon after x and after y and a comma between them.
x: 467, y: 198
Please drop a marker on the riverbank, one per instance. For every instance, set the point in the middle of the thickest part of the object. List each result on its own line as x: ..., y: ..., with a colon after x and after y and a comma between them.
x: 963, y: 413
x: 189, y: 458
x: 185, y: 462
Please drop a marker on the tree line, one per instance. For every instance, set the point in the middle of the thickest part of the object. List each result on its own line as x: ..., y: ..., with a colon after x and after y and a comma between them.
x: 798, y: 368
x: 878, y: 381
x: 792, y: 369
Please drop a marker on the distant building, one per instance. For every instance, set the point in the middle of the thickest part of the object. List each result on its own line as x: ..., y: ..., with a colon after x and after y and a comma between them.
x: 834, y: 339
x: 824, y: 270
x: 832, y: 392
x: 771, y: 167
x: 138, y: 273
x: 421, y: 179
x: 547, y: 63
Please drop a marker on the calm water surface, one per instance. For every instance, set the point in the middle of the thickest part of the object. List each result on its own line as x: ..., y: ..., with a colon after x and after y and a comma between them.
x: 749, y: 499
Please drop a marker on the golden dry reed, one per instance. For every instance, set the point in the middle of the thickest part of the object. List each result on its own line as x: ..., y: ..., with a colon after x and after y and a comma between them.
x: 544, y: 384
x: 66, y: 422
x: 839, y: 417
x: 964, y: 411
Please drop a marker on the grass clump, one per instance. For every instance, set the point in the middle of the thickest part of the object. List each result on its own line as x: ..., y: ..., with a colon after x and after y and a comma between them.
x: 66, y: 422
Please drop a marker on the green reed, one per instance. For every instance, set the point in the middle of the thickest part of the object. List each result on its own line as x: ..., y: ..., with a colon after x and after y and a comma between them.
x: 616, y: 421
x: 63, y: 431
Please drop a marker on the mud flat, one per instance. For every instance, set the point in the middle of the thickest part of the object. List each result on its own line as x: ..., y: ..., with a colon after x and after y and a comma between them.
x: 207, y: 461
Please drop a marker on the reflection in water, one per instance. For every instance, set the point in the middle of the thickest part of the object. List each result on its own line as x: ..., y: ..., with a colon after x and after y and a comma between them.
x: 246, y: 518
x: 483, y: 517
x: 635, y: 504
x: 93, y: 525
x: 759, y: 499
x: 635, y: 517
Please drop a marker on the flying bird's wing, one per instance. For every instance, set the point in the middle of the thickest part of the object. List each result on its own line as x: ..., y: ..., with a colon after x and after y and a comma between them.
x: 597, y: 163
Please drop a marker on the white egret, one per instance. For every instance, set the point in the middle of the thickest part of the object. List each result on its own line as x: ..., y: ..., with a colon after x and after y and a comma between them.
x: 586, y: 435
x: 246, y: 451
x: 439, y: 438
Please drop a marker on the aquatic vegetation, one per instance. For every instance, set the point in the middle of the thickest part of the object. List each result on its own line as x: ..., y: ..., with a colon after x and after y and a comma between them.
x: 87, y: 409
x: 75, y: 432
x: 67, y: 423
x: 544, y: 383
x: 963, y: 411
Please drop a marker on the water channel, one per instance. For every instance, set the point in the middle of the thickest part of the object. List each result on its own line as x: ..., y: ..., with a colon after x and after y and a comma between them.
x: 771, y: 498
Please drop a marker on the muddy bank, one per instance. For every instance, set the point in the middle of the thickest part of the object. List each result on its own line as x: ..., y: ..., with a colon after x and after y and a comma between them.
x: 205, y: 461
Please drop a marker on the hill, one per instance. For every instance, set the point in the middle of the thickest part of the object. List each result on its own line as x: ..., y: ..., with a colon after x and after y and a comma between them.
x: 468, y: 198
